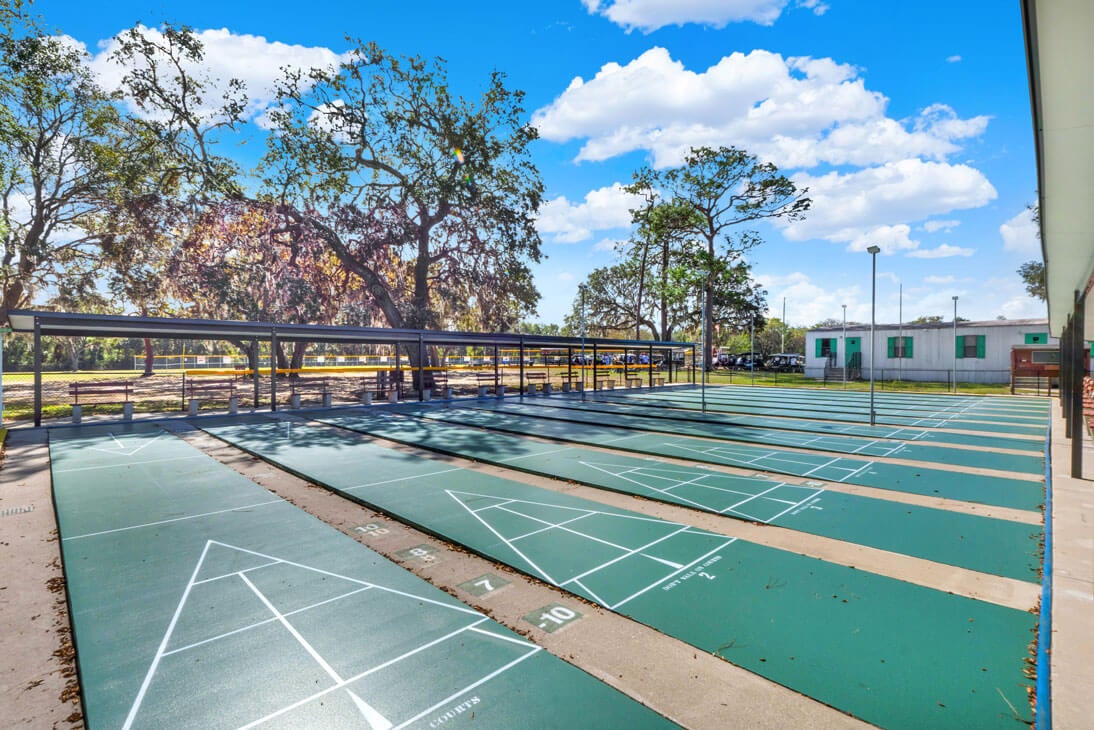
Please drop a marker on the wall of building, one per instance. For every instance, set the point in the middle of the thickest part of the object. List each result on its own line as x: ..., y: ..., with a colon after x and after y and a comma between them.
x: 933, y: 349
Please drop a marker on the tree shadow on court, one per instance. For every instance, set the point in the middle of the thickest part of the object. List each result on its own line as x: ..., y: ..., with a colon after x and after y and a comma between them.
x: 406, y: 426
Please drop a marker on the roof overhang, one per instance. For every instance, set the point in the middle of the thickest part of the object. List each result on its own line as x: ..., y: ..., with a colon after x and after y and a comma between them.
x: 1060, y: 56
x: 101, y: 325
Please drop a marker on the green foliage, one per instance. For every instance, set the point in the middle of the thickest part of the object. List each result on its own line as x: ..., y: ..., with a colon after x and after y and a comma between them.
x: 428, y: 197
x: 1033, y: 276
x: 56, y: 153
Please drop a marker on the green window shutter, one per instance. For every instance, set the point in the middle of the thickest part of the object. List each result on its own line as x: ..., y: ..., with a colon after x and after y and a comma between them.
x: 980, y: 339
x: 892, y: 347
x: 820, y: 345
x: 907, y: 347
x: 959, y: 346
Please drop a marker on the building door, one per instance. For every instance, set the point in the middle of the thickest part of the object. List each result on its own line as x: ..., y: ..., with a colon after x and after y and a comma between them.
x: 853, y: 348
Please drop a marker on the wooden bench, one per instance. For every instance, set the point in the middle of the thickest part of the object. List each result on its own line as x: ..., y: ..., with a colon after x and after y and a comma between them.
x: 199, y: 390
x: 605, y: 385
x: 633, y: 382
x: 100, y: 392
x: 299, y: 386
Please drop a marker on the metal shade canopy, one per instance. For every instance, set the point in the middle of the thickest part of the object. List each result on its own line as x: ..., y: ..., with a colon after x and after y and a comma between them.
x: 103, y: 325
x: 1059, y: 55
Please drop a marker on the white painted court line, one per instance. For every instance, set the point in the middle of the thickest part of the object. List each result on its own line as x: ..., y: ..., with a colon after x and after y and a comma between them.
x: 393, y: 591
x: 757, y: 496
x: 793, y: 507
x: 591, y: 593
x: 651, y: 586
x: 468, y: 688
x: 668, y: 490
x: 403, y: 479
x: 501, y: 637
x: 559, y: 526
x: 128, y: 464
x: 372, y: 670
x: 502, y: 503
x: 256, y: 624
x: 549, y: 526
x: 501, y: 537
x: 315, y: 655
x: 237, y: 572
x: 163, y: 642
x: 856, y: 472
x: 627, y: 554
x: 821, y: 466
x: 173, y: 519
x: 540, y: 453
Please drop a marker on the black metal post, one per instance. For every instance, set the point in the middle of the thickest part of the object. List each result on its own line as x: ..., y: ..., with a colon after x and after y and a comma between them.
x: 521, y: 354
x: 421, y: 368
x: 1078, y: 352
x: 273, y: 370
x: 37, y: 373
x: 254, y: 364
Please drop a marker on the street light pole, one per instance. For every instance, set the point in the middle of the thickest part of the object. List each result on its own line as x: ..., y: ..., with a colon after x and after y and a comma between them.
x: 581, y: 289
x: 844, y: 350
x: 782, y: 335
x: 955, y: 344
x: 873, y: 251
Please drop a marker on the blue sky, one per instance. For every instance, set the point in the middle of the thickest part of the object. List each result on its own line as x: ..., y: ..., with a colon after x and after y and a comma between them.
x: 908, y: 121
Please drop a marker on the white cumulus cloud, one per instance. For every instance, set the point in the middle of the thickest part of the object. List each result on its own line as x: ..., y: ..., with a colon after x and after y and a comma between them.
x: 847, y: 207
x: 1020, y: 234
x: 649, y: 15
x: 797, y: 112
x: 942, y: 252
x: 254, y: 60
x: 602, y: 209
x: 944, y: 226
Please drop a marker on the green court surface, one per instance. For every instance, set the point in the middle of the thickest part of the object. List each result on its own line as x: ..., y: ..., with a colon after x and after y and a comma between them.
x: 892, y: 653
x: 854, y: 411
x: 842, y: 444
x: 1030, y: 444
x: 999, y: 547
x: 200, y: 599
x: 1018, y: 493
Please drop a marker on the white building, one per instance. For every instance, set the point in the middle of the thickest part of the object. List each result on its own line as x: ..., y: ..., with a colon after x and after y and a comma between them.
x: 926, y: 352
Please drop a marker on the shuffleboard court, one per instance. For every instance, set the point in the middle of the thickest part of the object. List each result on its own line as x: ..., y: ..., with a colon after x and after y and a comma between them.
x: 1015, y: 492
x: 844, y: 412
x: 1030, y: 444
x: 892, y: 653
x: 1033, y: 464
x: 967, y: 405
x: 999, y: 547
x: 200, y: 599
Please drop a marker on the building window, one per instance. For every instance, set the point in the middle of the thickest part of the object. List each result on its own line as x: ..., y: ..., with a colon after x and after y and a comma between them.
x: 826, y: 346
x: 971, y: 346
x: 1036, y: 338
x: 900, y: 347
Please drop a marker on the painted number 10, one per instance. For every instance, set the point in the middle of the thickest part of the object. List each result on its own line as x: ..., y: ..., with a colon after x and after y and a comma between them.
x: 557, y: 615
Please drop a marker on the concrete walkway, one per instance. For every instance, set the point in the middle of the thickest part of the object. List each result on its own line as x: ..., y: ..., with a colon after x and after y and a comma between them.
x: 1072, y: 582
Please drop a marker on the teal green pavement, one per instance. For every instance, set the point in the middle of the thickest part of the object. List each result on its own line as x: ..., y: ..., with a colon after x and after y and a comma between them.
x: 1001, y: 491
x: 200, y: 599
x: 1033, y: 464
x: 843, y: 411
x: 1029, y: 444
x: 999, y: 547
x: 969, y: 405
x: 892, y: 653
